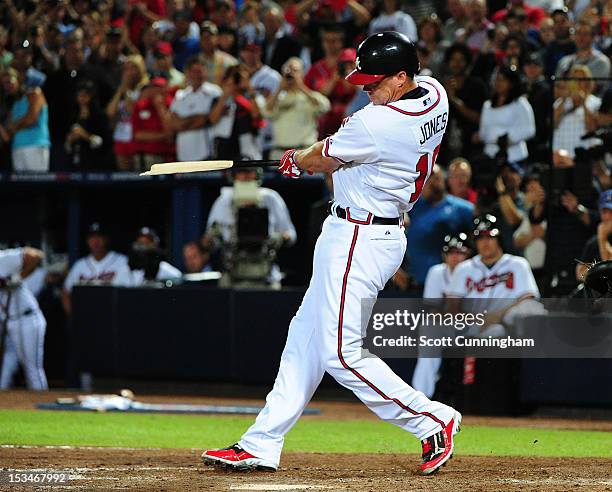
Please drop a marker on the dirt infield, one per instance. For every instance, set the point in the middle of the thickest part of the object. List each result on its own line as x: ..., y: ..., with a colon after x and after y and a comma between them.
x: 180, y: 470
x: 94, y: 468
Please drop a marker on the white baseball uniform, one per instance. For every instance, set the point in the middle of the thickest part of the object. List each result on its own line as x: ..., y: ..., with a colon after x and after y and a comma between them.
x: 426, y: 370
x: 26, y: 325
x: 496, y: 288
x: 113, y: 269
x: 387, y: 153
x: 509, y: 279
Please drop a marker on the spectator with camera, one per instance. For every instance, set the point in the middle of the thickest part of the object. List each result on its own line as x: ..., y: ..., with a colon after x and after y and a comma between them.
x: 265, y: 82
x: 119, y: 110
x: 152, y: 126
x: 251, y: 30
x: 507, y: 120
x: 476, y: 29
x: 88, y: 142
x: 575, y: 110
x: 294, y: 110
x: 190, y: 113
x: 599, y: 246
x: 238, y: 118
x: 146, y: 260
x: 27, y: 127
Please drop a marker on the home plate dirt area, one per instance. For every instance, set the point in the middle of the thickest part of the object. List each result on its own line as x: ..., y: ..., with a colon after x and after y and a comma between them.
x: 180, y: 470
x: 154, y: 469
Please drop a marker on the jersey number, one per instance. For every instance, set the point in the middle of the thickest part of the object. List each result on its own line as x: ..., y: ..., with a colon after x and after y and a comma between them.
x: 423, y: 169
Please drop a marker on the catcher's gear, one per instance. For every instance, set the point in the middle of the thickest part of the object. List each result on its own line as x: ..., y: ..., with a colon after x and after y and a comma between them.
x: 288, y: 165
x: 598, y: 279
x: 458, y: 242
x: 486, y: 225
x: 384, y: 54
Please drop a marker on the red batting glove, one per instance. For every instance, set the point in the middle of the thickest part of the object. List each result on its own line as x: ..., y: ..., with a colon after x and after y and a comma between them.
x: 288, y: 166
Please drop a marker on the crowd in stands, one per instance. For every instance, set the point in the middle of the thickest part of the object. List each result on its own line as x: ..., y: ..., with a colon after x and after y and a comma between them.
x: 120, y: 85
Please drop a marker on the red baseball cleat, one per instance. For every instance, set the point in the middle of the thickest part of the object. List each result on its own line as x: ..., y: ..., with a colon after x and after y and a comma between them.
x: 236, y: 458
x: 438, y: 449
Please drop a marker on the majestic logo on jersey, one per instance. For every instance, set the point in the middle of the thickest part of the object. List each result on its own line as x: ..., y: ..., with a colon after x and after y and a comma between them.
x: 357, y: 63
x: 490, y: 282
x: 433, y: 126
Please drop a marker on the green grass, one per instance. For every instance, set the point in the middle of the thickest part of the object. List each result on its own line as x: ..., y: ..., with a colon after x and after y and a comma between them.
x: 188, y: 431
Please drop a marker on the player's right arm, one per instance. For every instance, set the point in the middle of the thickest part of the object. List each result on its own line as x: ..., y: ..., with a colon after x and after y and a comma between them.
x: 353, y: 142
x: 32, y: 258
x: 69, y: 282
x: 313, y: 160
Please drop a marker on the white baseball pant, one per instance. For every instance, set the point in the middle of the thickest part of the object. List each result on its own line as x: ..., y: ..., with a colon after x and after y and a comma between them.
x: 25, y: 343
x: 351, y: 262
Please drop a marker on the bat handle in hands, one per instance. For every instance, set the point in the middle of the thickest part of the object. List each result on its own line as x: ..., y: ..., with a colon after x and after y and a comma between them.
x: 288, y: 165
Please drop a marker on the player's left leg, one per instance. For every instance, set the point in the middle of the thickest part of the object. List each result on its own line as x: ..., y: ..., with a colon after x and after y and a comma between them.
x: 299, y: 374
x: 10, y: 363
x: 370, y: 263
x: 30, y: 344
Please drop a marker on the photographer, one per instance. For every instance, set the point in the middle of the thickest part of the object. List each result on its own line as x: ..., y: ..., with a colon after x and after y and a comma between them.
x: 575, y: 110
x: 235, y: 225
x: 237, y: 117
x: 294, y: 110
x: 507, y: 116
x: 145, y: 260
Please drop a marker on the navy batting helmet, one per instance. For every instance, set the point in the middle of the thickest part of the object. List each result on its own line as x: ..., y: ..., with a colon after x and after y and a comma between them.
x: 598, y: 279
x: 458, y: 242
x: 486, y: 225
x: 384, y: 54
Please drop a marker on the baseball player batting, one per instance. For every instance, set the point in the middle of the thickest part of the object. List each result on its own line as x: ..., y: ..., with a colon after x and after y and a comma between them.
x: 380, y: 159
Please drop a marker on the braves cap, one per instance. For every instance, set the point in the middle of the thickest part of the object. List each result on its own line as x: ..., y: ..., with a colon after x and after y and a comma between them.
x: 605, y: 200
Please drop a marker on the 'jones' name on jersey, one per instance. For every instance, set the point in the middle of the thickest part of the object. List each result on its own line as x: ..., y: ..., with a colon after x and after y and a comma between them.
x: 433, y: 126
